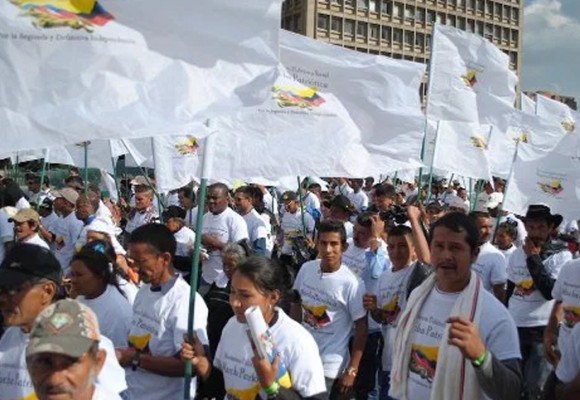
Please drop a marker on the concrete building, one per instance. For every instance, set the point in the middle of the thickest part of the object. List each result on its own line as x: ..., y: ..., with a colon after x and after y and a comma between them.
x: 402, y: 28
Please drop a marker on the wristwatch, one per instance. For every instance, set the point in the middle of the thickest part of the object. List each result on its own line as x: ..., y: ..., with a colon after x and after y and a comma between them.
x: 351, y: 371
x: 136, y: 360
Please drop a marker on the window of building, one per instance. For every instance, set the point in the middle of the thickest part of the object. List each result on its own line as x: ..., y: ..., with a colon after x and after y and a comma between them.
x: 361, y: 29
x: 479, y: 5
x: 507, y: 12
x: 374, y: 31
x: 362, y: 5
x: 479, y: 28
x: 430, y: 16
x: 515, y: 15
x: 386, y: 7
x: 505, y: 35
x: 513, y: 57
x: 497, y: 32
x: 441, y: 18
x: 515, y: 36
x: 323, y: 21
x: 339, y: 2
x: 374, y: 5
x: 409, y: 13
x: 420, y: 14
x: 386, y: 33
x: 409, y: 38
x: 420, y: 40
x: 461, y: 23
x: 428, y: 42
x: 470, y: 4
x: 452, y: 3
x: 349, y: 27
x: 451, y: 20
x: 349, y: 3
x: 497, y: 11
x: 470, y: 26
x: 398, y: 10
x: 336, y: 24
x: 461, y: 3
x: 397, y: 35
x: 488, y: 7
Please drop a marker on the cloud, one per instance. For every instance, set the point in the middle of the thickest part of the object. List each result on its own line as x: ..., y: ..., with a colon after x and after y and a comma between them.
x: 551, y: 54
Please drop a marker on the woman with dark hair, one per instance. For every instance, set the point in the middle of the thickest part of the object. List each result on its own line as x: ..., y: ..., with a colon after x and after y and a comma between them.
x: 261, y: 282
x: 506, y: 235
x: 95, y: 283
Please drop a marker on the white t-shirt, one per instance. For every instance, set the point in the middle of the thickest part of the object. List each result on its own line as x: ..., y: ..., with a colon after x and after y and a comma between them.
x: 291, y: 225
x: 158, y: 325
x: 69, y: 228
x: 491, y: 266
x: 270, y: 239
x: 391, y: 293
x: 358, y: 260
x: 50, y: 222
x: 567, y: 290
x: 185, y: 239
x: 257, y: 228
x: 22, y: 203
x: 496, y: 328
x: 507, y: 254
x: 302, y: 373
x: 311, y: 201
x: 527, y: 305
x: 6, y: 232
x: 343, y: 189
x: 331, y: 303
x: 35, y: 239
x: 569, y: 364
x: 359, y: 199
x: 228, y: 227
x: 102, y: 393
x: 15, y: 382
x: 114, y: 313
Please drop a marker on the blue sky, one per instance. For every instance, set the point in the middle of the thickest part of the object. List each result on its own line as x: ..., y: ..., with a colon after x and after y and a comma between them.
x: 551, y: 49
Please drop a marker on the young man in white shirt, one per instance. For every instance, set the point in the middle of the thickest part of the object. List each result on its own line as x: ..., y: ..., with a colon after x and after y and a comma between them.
x: 160, y: 315
x: 490, y: 264
x: 26, y: 225
x: 221, y: 225
x: 184, y: 237
x: 36, y: 194
x: 257, y: 230
x: 358, y: 197
x: 328, y: 302
x: 30, y: 277
x: 532, y: 273
x: 454, y: 339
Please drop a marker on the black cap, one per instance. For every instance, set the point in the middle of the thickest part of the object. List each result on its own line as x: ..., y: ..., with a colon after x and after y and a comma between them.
x: 173, y: 212
x: 342, y: 202
x: 26, y: 262
x: 289, y: 196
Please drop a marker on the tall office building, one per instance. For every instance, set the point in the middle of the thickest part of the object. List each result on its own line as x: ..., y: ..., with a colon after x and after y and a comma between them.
x: 402, y: 28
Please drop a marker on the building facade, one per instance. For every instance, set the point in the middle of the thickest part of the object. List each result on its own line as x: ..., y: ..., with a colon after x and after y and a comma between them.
x: 568, y: 100
x: 402, y: 29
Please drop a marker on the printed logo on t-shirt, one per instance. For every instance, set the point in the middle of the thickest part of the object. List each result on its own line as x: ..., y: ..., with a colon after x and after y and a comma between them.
x: 571, y: 316
x: 316, y: 316
x: 391, y: 310
x: 524, y: 288
x: 141, y: 343
x: 424, y: 361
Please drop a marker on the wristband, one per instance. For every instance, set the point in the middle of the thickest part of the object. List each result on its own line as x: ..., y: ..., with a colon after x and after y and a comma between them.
x: 272, y: 389
x: 478, y: 362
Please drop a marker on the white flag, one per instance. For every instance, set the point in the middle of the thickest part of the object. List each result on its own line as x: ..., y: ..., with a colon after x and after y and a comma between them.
x: 564, y: 116
x: 79, y: 70
x: 528, y: 104
x: 298, y: 131
x: 381, y: 95
x: 102, y: 154
x: 553, y: 180
x: 468, y: 74
x: 462, y: 148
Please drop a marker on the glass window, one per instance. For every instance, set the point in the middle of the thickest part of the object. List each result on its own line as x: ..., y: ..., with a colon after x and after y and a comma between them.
x: 409, y: 37
x: 430, y: 16
x: 323, y: 21
x: 409, y: 13
x: 420, y: 39
x: 349, y: 27
x: 507, y: 12
x: 479, y: 5
x: 398, y: 10
x: 470, y: 26
x: 374, y: 5
x: 488, y: 7
x: 362, y: 5
x: 385, y: 7
x: 361, y: 29
x: 397, y: 35
x: 479, y: 28
x: 349, y: 3
x: 451, y: 20
x: 441, y: 18
x: 471, y: 4
x: 497, y: 32
x: 420, y: 14
x: 461, y: 23
x: 386, y: 33
x: 374, y: 31
x: 515, y: 36
x: 336, y: 24
x: 515, y: 15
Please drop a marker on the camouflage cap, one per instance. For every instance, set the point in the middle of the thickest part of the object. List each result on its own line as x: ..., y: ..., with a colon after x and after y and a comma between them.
x: 66, y: 327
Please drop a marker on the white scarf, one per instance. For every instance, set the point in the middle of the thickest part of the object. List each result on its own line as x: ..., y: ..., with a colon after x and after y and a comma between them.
x: 454, y: 376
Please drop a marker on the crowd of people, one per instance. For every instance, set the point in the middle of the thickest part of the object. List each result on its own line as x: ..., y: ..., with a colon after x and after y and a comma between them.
x: 370, y: 290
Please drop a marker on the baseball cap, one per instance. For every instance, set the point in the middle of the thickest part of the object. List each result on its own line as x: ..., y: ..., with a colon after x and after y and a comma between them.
x: 68, y: 194
x: 342, y: 202
x: 66, y: 327
x: 29, y: 261
x: 289, y: 196
x: 173, y: 212
x: 457, y: 202
x: 25, y: 214
x: 436, y: 205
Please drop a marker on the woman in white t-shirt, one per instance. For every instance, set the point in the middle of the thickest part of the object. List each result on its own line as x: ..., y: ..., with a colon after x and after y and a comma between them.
x: 95, y: 284
x: 506, y: 235
x: 296, y: 370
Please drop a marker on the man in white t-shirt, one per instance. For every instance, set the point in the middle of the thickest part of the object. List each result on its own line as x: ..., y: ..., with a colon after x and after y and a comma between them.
x: 358, y: 197
x: 257, y: 230
x: 221, y: 225
x: 454, y: 339
x: 532, y: 272
x: 184, y: 237
x: 342, y: 187
x: 64, y: 360
x: 490, y: 264
x: 29, y: 282
x: 26, y: 223
x: 328, y: 302
x: 69, y: 227
x: 160, y: 315
x: 36, y: 194
x: 311, y: 200
x: 295, y: 225
x: 186, y: 198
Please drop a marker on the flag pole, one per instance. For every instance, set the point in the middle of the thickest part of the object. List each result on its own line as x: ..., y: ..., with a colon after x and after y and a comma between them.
x: 114, y: 162
x: 302, y: 207
x: 42, y: 174
x: 157, y: 194
x: 432, y: 162
x: 206, y: 171
x: 86, y: 172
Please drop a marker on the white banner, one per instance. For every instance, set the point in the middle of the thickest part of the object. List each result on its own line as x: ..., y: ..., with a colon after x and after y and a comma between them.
x: 553, y: 180
x: 528, y: 104
x: 79, y: 70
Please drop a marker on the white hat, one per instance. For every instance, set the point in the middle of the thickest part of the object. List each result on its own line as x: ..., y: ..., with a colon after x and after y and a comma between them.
x: 458, y: 202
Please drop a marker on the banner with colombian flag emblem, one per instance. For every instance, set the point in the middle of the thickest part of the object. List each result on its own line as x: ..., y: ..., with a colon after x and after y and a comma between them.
x: 75, y: 70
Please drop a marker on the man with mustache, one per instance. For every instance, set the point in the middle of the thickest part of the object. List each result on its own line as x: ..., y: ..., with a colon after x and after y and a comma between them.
x: 63, y: 355
x: 532, y: 272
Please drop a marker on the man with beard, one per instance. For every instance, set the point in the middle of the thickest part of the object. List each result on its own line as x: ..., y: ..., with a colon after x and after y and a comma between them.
x: 490, y: 264
x: 532, y: 272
